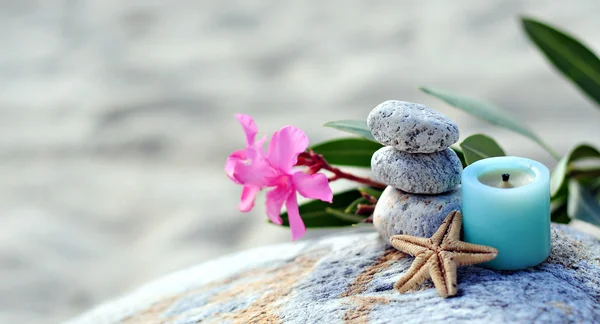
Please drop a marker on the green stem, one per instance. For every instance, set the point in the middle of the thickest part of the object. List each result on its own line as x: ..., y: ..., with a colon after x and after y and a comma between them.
x: 343, y: 216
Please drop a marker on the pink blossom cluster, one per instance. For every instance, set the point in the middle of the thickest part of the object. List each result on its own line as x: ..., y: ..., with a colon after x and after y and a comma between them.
x: 256, y: 169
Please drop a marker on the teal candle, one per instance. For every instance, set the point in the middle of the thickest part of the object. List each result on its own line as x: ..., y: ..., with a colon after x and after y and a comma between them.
x: 506, y: 205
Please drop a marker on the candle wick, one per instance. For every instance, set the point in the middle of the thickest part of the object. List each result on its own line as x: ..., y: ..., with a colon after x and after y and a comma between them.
x: 505, y: 176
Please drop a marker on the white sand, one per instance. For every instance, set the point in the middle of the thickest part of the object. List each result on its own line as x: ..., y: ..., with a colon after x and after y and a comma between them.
x: 116, y: 118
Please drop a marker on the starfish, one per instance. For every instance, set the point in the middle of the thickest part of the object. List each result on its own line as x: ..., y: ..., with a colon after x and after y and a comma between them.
x: 439, y: 256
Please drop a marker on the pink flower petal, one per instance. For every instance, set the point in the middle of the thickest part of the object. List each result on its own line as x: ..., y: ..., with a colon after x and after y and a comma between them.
x: 296, y: 223
x: 249, y: 127
x: 275, y: 199
x: 255, y: 170
x: 234, y: 158
x: 260, y: 143
x: 285, y: 146
x: 315, y: 186
x: 248, y: 196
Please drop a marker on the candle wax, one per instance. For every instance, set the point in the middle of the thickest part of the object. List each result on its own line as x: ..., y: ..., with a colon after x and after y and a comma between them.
x: 516, y: 221
x: 517, y: 178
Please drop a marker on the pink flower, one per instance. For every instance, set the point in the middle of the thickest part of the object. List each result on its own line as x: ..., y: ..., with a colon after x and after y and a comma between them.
x: 286, y: 144
x: 248, y: 166
x: 255, y: 170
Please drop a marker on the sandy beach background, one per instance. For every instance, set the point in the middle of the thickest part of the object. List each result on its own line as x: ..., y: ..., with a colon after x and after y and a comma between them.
x: 116, y: 118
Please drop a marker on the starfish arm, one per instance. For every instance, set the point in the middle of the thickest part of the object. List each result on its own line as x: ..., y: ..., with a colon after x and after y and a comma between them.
x: 446, y: 229
x: 461, y: 246
x: 417, y: 273
x: 467, y: 257
x: 449, y: 271
x: 411, y: 244
x: 454, y: 227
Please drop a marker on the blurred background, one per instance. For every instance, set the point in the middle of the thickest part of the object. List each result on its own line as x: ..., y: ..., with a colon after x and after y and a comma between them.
x: 116, y: 118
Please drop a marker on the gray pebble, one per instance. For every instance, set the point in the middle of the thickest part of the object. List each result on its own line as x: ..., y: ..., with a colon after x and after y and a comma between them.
x: 398, y: 212
x: 411, y: 127
x: 419, y: 173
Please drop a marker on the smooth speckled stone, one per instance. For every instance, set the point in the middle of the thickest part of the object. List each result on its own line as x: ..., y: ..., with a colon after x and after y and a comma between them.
x: 419, y: 173
x: 411, y: 127
x: 398, y: 212
x: 350, y: 279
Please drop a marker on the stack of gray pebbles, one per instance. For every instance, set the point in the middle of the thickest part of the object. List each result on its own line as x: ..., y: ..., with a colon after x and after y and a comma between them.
x: 421, y: 171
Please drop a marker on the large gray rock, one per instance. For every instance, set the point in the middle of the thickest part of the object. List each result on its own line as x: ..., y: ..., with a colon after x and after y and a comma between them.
x: 431, y: 173
x: 411, y: 127
x: 349, y: 278
x: 398, y: 212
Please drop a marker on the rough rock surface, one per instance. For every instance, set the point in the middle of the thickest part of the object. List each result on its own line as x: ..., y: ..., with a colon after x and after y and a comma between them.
x: 411, y: 127
x: 398, y: 212
x: 349, y: 278
x: 431, y: 173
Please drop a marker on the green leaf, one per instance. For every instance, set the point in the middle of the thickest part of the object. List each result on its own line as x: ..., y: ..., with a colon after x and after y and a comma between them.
x: 573, y: 59
x: 371, y: 191
x: 460, y: 154
x: 595, y: 185
x: 353, y: 206
x: 587, y: 176
x: 560, y: 173
x: 352, y: 218
x: 489, y: 113
x: 348, y: 151
x: 314, y: 212
x: 558, y: 211
x: 583, y: 204
x: 356, y: 127
x: 478, y: 147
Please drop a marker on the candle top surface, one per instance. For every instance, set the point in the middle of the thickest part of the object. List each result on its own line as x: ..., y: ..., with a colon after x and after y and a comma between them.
x: 507, y: 178
x: 521, y: 173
